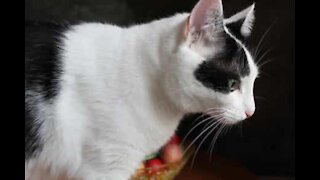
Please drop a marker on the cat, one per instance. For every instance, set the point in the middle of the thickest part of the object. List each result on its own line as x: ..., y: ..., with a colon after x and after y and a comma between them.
x: 99, y: 97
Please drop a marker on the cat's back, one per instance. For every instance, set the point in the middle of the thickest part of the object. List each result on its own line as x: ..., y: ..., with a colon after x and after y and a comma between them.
x: 96, y: 43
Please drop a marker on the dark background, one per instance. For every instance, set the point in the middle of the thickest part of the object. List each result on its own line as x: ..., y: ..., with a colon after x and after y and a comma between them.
x: 266, y: 144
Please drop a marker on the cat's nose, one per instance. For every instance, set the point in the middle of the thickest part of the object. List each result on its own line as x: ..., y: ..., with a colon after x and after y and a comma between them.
x: 249, y: 113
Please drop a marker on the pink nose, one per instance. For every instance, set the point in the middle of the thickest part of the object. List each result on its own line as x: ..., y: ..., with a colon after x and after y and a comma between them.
x: 249, y: 113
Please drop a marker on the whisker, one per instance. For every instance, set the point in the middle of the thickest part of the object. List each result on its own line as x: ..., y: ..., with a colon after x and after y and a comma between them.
x: 212, y: 115
x: 198, y: 124
x: 226, y: 129
x: 216, y: 117
x: 189, y: 146
x: 263, y: 36
x: 215, y: 139
x: 265, y: 62
x: 207, y: 112
x: 264, y: 55
x: 214, y: 121
x: 264, y: 73
x: 199, y: 146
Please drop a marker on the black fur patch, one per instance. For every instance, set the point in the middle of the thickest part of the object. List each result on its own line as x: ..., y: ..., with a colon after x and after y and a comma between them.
x: 42, y: 65
x: 230, y: 64
x: 31, y: 139
x: 42, y: 73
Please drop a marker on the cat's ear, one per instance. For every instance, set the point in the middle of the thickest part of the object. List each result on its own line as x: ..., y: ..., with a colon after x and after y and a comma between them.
x: 241, y: 23
x: 205, y: 21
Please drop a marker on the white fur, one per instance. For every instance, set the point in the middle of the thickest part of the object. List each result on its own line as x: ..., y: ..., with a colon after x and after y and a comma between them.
x: 123, y: 93
x: 248, y: 15
x: 111, y: 111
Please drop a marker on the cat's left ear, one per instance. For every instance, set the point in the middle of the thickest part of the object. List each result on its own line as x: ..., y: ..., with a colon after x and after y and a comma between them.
x: 241, y: 23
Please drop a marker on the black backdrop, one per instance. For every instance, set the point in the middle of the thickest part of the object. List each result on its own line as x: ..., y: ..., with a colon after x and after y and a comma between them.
x: 266, y: 143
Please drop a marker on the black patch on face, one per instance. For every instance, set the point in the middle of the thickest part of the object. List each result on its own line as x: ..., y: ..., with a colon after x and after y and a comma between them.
x: 235, y: 29
x: 42, y: 73
x: 231, y: 63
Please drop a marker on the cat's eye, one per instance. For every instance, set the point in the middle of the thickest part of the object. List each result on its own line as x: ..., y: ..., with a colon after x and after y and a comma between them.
x: 233, y: 85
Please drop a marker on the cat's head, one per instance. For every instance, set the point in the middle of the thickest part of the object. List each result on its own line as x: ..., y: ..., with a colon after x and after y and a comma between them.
x: 215, y: 72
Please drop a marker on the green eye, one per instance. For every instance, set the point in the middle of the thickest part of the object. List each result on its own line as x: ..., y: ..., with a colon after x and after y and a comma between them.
x: 233, y: 85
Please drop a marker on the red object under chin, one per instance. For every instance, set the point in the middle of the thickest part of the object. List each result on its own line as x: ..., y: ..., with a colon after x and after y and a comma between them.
x: 174, y: 140
x: 171, y: 153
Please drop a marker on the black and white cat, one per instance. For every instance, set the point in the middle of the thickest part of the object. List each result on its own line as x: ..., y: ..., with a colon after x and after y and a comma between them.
x: 100, y: 97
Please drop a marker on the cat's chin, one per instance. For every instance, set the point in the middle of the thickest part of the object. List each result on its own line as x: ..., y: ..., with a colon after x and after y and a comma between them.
x: 232, y: 121
x: 228, y: 120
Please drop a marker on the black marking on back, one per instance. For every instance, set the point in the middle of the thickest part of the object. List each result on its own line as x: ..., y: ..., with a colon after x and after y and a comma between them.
x: 231, y: 63
x: 42, y: 64
x: 32, y: 144
x: 42, y: 73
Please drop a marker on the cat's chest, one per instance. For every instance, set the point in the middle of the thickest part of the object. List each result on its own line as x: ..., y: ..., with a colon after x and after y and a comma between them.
x: 158, y: 132
x: 142, y: 127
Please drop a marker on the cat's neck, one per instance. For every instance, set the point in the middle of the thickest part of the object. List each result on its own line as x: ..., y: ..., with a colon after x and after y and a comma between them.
x: 158, y: 41
x: 160, y: 38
